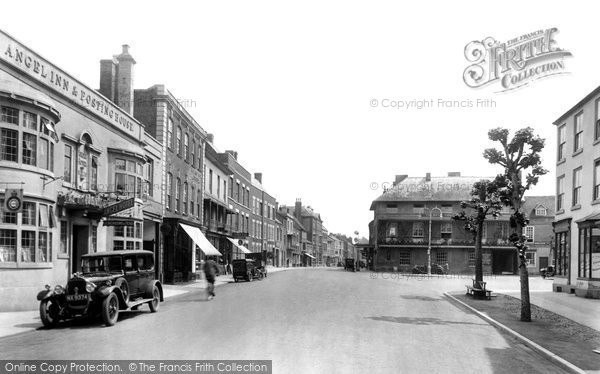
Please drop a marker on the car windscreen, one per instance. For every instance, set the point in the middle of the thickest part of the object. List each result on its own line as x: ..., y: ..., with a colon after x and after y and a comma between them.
x: 108, y: 264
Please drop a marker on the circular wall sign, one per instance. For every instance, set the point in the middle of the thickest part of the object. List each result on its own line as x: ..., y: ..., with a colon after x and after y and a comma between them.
x: 13, y: 203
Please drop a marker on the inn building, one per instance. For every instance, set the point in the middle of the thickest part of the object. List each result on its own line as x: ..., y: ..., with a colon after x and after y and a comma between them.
x: 74, y: 173
x: 577, y: 220
x: 415, y: 215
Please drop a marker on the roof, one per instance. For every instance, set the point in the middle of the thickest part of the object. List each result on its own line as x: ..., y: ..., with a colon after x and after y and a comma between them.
x: 577, y: 106
x: 532, y: 202
x: 118, y: 253
x: 436, y: 189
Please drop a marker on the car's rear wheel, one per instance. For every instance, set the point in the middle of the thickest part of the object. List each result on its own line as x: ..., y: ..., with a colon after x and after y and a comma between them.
x: 154, y: 304
x: 110, y: 309
x: 49, y: 313
x: 122, y: 284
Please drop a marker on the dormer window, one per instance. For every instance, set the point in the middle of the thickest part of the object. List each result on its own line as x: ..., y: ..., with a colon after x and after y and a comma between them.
x: 541, y: 211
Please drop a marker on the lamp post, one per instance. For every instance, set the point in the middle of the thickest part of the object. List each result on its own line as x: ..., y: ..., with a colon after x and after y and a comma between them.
x: 429, y: 241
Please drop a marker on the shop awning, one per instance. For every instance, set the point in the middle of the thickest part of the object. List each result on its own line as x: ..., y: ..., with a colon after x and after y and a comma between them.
x: 241, y: 247
x: 311, y: 256
x: 200, y: 240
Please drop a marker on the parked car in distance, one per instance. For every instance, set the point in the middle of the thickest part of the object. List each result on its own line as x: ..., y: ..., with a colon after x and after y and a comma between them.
x: 245, y: 269
x: 108, y: 283
x: 349, y: 264
x: 547, y: 272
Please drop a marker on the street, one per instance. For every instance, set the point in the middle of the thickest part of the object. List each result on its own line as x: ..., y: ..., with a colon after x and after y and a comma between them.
x: 309, y: 320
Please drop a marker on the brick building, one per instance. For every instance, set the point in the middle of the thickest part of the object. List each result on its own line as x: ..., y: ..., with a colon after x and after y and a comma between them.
x: 540, y: 237
x: 404, y: 214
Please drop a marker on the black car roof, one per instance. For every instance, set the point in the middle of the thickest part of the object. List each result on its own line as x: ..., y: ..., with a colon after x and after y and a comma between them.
x: 118, y: 253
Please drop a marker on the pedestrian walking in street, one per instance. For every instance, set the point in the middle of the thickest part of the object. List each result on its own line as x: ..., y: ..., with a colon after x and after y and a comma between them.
x: 210, y: 272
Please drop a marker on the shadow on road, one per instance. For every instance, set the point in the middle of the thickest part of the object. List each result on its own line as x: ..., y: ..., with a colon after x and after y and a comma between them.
x: 421, y: 321
x: 419, y: 297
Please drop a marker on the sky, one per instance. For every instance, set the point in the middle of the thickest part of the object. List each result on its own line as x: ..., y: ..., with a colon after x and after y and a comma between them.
x: 291, y: 86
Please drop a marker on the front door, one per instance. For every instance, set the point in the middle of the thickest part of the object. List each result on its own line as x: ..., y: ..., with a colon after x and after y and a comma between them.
x: 80, y: 246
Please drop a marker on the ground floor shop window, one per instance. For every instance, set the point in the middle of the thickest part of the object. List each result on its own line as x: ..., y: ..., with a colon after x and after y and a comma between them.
x: 589, y: 252
x: 127, y: 237
x: 562, y: 253
x: 26, y: 238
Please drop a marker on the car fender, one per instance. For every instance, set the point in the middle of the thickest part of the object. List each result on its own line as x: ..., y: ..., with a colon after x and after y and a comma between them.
x: 105, y: 291
x: 150, y: 286
x: 45, y: 294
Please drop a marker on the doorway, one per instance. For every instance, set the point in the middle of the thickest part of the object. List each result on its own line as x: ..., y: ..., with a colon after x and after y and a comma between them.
x: 81, y: 235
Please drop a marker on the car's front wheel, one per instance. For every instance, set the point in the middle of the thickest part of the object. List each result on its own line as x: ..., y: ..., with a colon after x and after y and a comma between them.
x: 110, y: 309
x: 155, y: 300
x: 49, y: 313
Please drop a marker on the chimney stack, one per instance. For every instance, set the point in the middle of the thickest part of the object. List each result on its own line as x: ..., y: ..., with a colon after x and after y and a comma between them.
x: 454, y: 173
x: 124, y: 83
x: 298, y: 209
x: 258, y: 177
x: 210, y: 138
x: 399, y: 179
x: 234, y: 154
x: 428, y: 177
x: 108, y: 79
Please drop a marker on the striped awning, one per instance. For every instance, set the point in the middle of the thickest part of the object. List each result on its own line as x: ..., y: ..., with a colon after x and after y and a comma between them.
x: 241, y: 247
x: 200, y: 240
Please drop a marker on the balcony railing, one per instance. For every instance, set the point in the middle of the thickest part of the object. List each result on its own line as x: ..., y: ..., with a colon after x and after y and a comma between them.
x: 442, y: 241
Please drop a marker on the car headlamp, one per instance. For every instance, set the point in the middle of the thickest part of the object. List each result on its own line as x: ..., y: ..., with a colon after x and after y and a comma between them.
x: 59, y: 290
x: 90, y: 287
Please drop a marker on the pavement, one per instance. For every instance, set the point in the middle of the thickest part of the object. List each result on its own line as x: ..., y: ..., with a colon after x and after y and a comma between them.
x: 12, y: 323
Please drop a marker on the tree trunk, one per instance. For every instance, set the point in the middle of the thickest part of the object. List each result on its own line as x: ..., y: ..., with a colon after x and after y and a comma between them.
x: 525, y: 303
x: 478, y: 254
x: 523, y: 273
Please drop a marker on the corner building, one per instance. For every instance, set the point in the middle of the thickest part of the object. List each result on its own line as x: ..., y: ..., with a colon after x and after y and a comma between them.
x: 77, y: 163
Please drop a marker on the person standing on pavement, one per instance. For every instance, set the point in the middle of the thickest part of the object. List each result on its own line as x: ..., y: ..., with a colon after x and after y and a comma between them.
x: 210, y: 273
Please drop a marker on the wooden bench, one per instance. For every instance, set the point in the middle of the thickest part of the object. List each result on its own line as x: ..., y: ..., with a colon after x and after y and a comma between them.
x: 478, y: 290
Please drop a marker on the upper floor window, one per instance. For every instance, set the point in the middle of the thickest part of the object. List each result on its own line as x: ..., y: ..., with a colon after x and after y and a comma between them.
x: 210, y: 181
x: 177, y: 194
x: 541, y: 211
x: 391, y: 208
x: 170, y: 133
x: 128, y: 177
x: 418, y: 230
x: 178, y: 140
x: 169, y: 191
x: 10, y: 115
x: 597, y: 180
x: 446, y: 230
x: 560, y: 193
x: 186, y: 147
x: 578, y: 139
x: 529, y: 232
x: 577, y: 186
x: 185, y: 198
x: 597, y: 123
x: 562, y: 141
x: 193, y: 153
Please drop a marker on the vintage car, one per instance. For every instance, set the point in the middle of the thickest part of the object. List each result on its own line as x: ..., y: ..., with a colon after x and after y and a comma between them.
x: 108, y: 283
x: 349, y: 264
x: 249, y: 268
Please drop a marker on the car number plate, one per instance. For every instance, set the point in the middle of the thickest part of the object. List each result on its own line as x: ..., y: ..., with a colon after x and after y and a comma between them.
x: 77, y: 297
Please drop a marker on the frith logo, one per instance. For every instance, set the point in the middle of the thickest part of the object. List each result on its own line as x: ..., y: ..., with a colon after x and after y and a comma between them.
x: 514, y: 63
